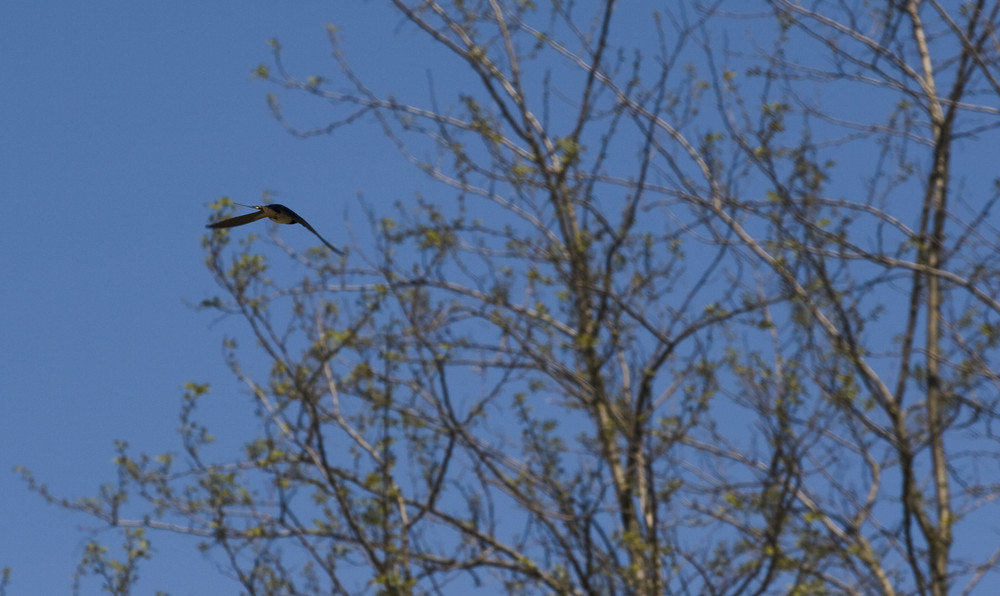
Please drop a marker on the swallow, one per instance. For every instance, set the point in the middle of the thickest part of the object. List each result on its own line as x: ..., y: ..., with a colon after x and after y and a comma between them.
x: 276, y: 213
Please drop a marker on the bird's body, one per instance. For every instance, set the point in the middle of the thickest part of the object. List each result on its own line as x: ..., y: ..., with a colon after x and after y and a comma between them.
x: 276, y: 213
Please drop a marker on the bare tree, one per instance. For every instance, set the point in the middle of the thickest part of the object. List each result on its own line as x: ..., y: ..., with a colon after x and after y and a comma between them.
x: 707, y: 305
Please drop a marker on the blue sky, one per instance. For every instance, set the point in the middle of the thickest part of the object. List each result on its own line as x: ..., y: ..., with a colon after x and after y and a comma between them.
x: 119, y: 123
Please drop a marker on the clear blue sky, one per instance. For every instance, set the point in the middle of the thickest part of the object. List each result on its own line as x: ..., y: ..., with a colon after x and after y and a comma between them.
x: 119, y: 122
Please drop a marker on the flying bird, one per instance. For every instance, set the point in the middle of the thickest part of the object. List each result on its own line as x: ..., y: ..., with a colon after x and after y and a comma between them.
x: 276, y: 213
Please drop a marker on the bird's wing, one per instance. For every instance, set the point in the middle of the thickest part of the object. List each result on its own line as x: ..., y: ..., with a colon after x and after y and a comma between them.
x: 306, y: 225
x: 237, y: 221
